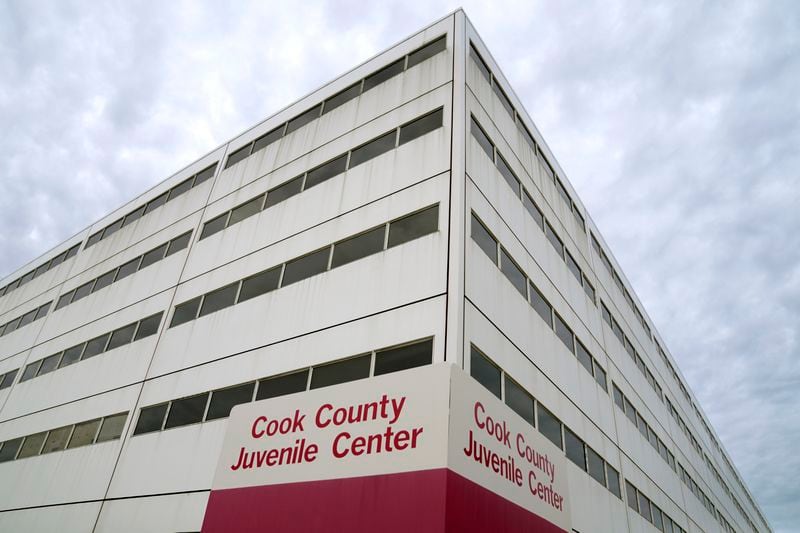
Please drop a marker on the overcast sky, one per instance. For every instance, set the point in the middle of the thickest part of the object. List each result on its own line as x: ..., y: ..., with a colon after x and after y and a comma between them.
x: 678, y: 123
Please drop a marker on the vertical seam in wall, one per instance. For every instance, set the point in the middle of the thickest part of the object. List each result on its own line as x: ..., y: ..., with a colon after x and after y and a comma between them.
x: 450, y: 189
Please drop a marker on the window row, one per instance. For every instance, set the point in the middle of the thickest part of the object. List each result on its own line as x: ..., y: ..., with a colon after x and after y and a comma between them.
x: 88, y: 349
x: 649, y: 511
x: 499, y: 383
x: 184, y: 186
x: 684, y: 427
x: 339, y: 164
x: 679, y: 381
x: 218, y: 403
x: 695, y: 489
x: 373, y: 80
x: 526, y: 134
x: 64, y: 438
x: 530, y: 206
x: 134, y: 265
x: 501, y: 258
x: 24, y: 320
x: 626, y: 406
x: 41, y: 269
x: 372, y: 241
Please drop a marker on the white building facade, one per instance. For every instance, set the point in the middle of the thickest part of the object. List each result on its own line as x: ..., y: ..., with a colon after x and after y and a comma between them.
x: 408, y: 213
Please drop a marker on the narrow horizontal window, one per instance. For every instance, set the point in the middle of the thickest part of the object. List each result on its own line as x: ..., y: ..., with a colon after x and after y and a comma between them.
x: 579, y: 218
x: 480, y: 63
x: 42, y: 311
x: 259, y: 284
x: 222, y: 401
x: 657, y: 521
x: 306, y: 266
x: 148, y: 326
x: 508, y: 174
x: 186, y: 411
x: 156, y: 202
x: 71, y: 355
x: 630, y: 494
x: 612, y: 476
x: 104, y: 281
x: 282, y: 385
x: 482, y: 138
x: 574, y: 448
x: 562, y: 191
x: 326, y: 171
x: 526, y: 134
x: 30, y: 371
x: 372, y: 149
x: 205, y: 175
x: 501, y: 94
x: 121, y: 337
x: 403, y: 357
x: 544, y: 164
x: 429, y: 50
x: 153, y: 256
x: 284, y: 191
x: 644, y: 507
x: 238, y: 155
x: 11, y: 326
x: 541, y: 305
x: 514, y: 274
x: 642, y: 425
x: 549, y: 425
x: 605, y: 313
x: 179, y: 243
x: 596, y: 466
x: 340, y: 371
x: 49, y: 364
x: 27, y: 318
x: 358, y: 247
x: 484, y: 239
x: 533, y: 210
x: 342, y: 97
x: 41, y: 269
x: 134, y: 215
x: 82, y: 291
x: 519, y: 400
x: 112, y: 426
x: 246, y: 210
x: 588, y: 289
x: 84, y: 433
x: 268, y: 138
x: 573, y: 267
x: 555, y: 240
x: 32, y: 445
x: 564, y: 333
x: 600, y: 376
x: 219, y: 299
x: 128, y: 268
x: 386, y: 73
x: 56, y: 439
x: 95, y: 346
x: 304, y: 118
x: 150, y: 419
x: 185, y: 312
x: 420, y: 126
x: 214, y: 225
x: 9, y: 450
x: 414, y: 226
x: 630, y: 411
x: 584, y: 357
x: 8, y: 379
x: 485, y: 372
x: 57, y: 260
x: 180, y: 188
x: 93, y: 239
x: 27, y: 277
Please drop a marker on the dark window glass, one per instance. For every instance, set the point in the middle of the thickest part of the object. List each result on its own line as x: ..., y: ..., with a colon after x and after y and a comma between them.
x: 579, y: 218
x: 584, y: 357
x: 420, y: 126
x: 84, y: 433
x: 214, y: 225
x: 150, y: 419
x: 219, y: 299
x: 57, y: 439
x: 284, y: 191
x: 9, y: 450
x: 657, y: 521
x: 128, y: 268
x: 282, y: 385
x: 245, y: 210
x: 27, y: 318
x: 503, y: 98
x: 342, y: 97
x: 372, y: 149
x: 148, y: 326
x: 485, y: 372
x: 71, y: 355
x: 178, y: 243
x: 484, y: 239
x: 644, y: 507
x: 186, y: 411
x: 185, y: 312
x: 306, y: 266
x: 57, y: 260
x: 112, y: 228
x: 668, y: 525
x: 562, y: 191
x: 588, y: 289
x: 596, y: 245
x: 526, y: 134
x: 30, y: 371
x: 95, y: 346
x: 104, y: 281
x: 82, y: 291
x: 260, y: 284
x: 574, y: 268
x: 340, y: 372
x: 613, y: 481
x: 93, y: 239
x: 112, y: 426
x: 156, y: 202
x: 600, y: 376
x: 533, y: 210
x: 574, y: 448
x: 480, y: 63
x: 597, y: 467
x: 301, y: 120
x: 555, y: 240
x: 180, y: 188
x: 414, y: 226
x: 427, y: 51
x: 630, y: 412
x: 72, y: 252
x: 8, y: 379
x: 268, y: 138
x: 564, y: 333
x: 222, y: 401
x: 482, y: 138
x: 519, y: 400
x: 32, y: 445
x: 49, y: 364
x: 358, y: 247
x: 384, y: 74
x: 153, y: 256
x: 605, y: 312
x: 238, y: 155
x: 326, y: 171
x: 652, y: 438
x: 403, y: 357
x: 541, y: 306
x: 508, y: 174
x: 630, y: 494
x: 42, y: 311
x: 545, y: 164
x: 205, y: 174
x: 39, y: 271
x: 11, y: 326
x: 662, y: 451
x: 134, y: 215
x: 549, y: 425
x: 121, y: 337
x: 642, y: 425
x: 513, y: 272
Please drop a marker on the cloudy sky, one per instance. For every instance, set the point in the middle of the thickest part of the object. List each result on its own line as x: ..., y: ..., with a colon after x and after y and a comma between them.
x: 677, y: 122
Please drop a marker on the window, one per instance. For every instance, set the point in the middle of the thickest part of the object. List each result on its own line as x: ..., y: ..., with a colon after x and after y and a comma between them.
x: 482, y: 138
x: 179, y: 243
x: 372, y: 149
x: 508, y: 174
x: 562, y: 191
x: 49, y: 364
x: 95, y: 346
x: 9, y: 450
x: 357, y: 247
x: 485, y: 372
x: 573, y: 267
x: 304, y: 118
x: 82, y: 291
x: 219, y: 299
x: 32, y: 445
x: 605, y: 312
x: 156, y: 202
x: 414, y: 226
x: 238, y: 155
x: 384, y: 74
x: 42, y: 311
x: 11, y: 326
x: 71, y: 355
x: 340, y: 371
x: 127, y: 269
x: 214, y: 225
x: 657, y: 521
x: 30, y: 371
x: 153, y: 256
x: 651, y: 436
x: 205, y: 174
x: 282, y: 385
x: 420, y: 126
x: 564, y: 333
x: 259, y: 284
x: 112, y: 426
x: 186, y: 411
x: 630, y: 493
x: 642, y: 425
x: 222, y: 401
x: 533, y: 209
x: 584, y: 357
x: 519, y: 400
x: 150, y: 419
x: 600, y: 376
x: 502, y: 96
x: 342, y: 97
x: 541, y: 306
x: 630, y: 412
x: 104, y: 281
x: 8, y: 379
x: 57, y: 439
x: 245, y: 210
x: 574, y: 448
x: 513, y: 272
x: 549, y: 425
x: 403, y: 357
x: 134, y: 215
x: 180, y: 188
x: 84, y: 433
x: 284, y: 191
x: 27, y: 318
x: 93, y: 239
x: 484, y: 239
x: 644, y: 507
x: 306, y: 266
x: 597, y: 466
x: 555, y: 240
x: 267, y: 139
x: 325, y: 172
x: 480, y: 63
x: 148, y: 326
x: 121, y: 336
x: 427, y: 51
x: 613, y: 481
x: 588, y: 289
x: 185, y: 312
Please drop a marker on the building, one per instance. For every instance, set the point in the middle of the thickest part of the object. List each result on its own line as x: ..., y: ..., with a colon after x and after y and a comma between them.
x: 407, y: 213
